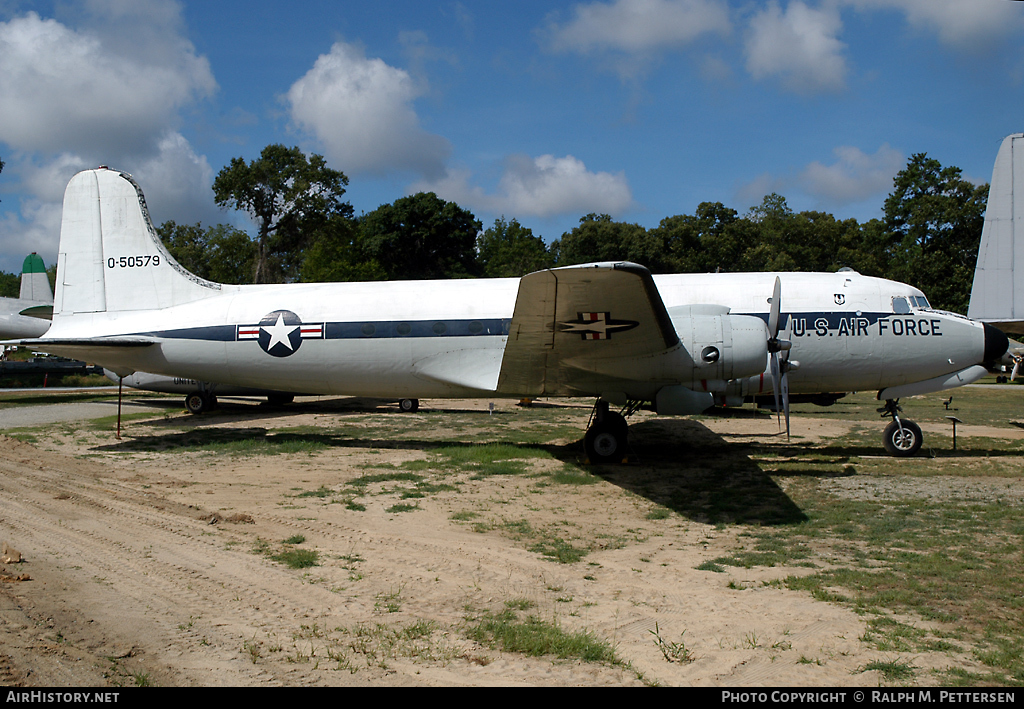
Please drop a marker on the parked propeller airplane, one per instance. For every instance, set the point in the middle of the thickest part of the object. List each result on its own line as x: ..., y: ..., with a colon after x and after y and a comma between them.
x: 674, y: 343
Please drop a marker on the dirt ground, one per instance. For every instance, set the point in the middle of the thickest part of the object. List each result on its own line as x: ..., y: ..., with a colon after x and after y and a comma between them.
x: 155, y: 568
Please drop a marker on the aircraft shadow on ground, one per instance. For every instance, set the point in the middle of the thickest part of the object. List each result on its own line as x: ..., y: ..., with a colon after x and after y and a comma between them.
x: 699, y: 474
x: 678, y: 463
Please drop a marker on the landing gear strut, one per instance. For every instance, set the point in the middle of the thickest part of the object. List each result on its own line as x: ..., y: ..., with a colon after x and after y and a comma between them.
x: 605, y: 440
x: 902, y: 437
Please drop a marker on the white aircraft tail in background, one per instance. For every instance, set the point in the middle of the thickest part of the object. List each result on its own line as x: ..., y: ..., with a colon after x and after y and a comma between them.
x: 997, y: 296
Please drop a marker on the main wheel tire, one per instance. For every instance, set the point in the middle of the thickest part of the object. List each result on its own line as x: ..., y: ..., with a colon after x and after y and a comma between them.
x: 409, y: 405
x: 196, y: 402
x: 605, y: 442
x: 905, y: 443
x: 280, y: 399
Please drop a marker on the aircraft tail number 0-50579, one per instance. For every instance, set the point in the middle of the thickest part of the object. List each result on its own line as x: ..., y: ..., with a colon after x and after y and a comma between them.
x: 678, y: 344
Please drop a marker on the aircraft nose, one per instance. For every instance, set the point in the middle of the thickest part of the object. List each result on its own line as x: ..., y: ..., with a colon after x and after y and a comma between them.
x: 996, y: 343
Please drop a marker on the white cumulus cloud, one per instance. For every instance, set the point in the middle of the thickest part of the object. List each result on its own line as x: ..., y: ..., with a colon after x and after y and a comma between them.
x: 800, y: 46
x: 637, y: 26
x: 105, y: 86
x: 963, y: 24
x: 361, y: 111
x: 545, y: 186
x: 855, y: 176
x: 66, y: 90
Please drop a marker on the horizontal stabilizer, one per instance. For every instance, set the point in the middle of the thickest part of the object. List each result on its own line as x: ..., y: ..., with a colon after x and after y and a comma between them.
x: 43, y: 312
x: 92, y: 342
x: 577, y: 326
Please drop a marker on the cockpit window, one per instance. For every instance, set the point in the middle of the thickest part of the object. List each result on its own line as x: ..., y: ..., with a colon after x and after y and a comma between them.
x: 900, y: 306
x: 920, y: 301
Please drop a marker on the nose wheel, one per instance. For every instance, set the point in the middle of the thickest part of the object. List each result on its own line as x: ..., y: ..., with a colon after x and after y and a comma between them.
x: 902, y: 437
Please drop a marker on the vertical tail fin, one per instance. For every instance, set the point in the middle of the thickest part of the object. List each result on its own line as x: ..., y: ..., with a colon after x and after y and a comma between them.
x: 110, y: 258
x: 995, y: 297
x: 35, y: 285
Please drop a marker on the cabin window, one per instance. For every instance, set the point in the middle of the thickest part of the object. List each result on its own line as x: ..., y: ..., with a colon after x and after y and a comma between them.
x: 404, y: 328
x: 900, y: 306
x: 476, y: 327
x: 369, y: 329
x: 440, y: 328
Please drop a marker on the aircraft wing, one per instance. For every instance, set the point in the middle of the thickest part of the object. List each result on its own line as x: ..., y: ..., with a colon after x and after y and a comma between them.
x: 581, y: 327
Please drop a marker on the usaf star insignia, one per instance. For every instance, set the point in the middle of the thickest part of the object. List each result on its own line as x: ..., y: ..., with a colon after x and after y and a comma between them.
x: 596, y: 326
x: 280, y: 333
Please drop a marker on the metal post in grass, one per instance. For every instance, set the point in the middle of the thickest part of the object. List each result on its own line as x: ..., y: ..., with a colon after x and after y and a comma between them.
x: 955, y: 421
x: 120, y: 383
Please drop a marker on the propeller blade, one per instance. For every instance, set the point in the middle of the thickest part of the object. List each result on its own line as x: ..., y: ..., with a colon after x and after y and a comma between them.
x: 1016, y: 367
x: 776, y: 384
x: 785, y: 398
x: 776, y: 310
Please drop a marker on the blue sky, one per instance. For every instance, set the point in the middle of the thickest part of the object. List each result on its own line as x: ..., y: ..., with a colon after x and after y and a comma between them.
x: 542, y: 112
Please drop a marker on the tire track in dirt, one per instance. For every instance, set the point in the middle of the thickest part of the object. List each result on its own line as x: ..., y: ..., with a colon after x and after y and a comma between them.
x: 167, y: 581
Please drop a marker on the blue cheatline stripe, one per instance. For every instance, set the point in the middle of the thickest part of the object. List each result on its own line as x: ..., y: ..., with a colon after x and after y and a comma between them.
x: 380, y: 329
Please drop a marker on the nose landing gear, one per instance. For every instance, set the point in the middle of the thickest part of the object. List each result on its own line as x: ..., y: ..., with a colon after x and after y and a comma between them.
x: 902, y: 437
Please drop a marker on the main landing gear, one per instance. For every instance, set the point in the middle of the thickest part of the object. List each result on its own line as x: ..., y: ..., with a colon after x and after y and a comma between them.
x: 200, y: 402
x: 605, y: 440
x: 902, y: 437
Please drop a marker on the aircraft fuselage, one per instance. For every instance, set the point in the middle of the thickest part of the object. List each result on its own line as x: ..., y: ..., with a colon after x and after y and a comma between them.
x: 446, y: 338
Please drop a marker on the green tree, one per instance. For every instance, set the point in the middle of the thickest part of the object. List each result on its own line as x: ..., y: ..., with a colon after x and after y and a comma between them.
x: 509, y: 250
x: 599, y: 238
x: 421, y: 236
x: 10, y: 285
x: 288, y: 196
x: 934, y: 219
x: 336, y: 254
x: 221, y: 253
x: 702, y: 242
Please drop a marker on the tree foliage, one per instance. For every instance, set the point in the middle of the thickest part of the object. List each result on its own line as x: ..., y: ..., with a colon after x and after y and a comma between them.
x: 508, y: 249
x: 933, y: 219
x: 928, y: 237
x: 220, y: 253
x: 289, y: 197
x: 421, y: 236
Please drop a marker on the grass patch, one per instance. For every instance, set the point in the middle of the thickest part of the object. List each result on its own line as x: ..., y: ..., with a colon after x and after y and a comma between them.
x: 298, y: 558
x: 892, y: 670
x: 534, y: 637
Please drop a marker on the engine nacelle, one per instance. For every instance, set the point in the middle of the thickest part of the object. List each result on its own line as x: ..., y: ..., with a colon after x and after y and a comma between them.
x: 722, y: 346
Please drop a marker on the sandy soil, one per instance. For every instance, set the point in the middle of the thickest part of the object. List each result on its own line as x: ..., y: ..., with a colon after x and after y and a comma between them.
x: 149, y: 567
